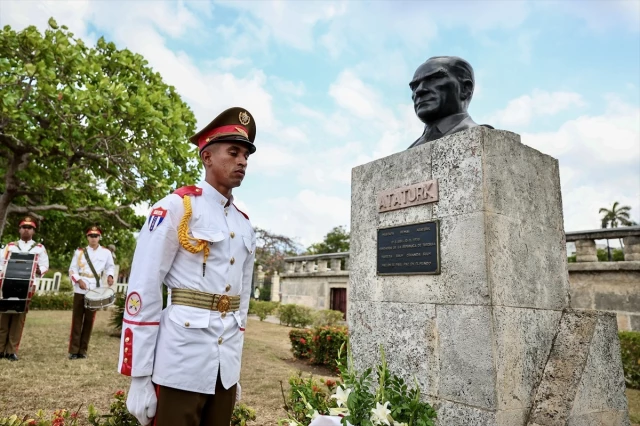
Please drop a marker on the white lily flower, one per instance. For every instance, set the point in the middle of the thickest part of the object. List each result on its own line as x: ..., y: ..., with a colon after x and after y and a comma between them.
x: 341, y: 396
x: 338, y: 411
x: 380, y: 413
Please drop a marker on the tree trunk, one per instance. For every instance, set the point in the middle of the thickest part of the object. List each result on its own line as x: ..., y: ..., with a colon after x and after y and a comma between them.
x: 5, y: 200
x: 11, y: 185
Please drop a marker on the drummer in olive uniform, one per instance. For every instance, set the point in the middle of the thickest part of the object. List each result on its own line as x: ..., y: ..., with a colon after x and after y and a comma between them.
x: 86, y: 267
x: 11, y: 325
x: 202, y: 247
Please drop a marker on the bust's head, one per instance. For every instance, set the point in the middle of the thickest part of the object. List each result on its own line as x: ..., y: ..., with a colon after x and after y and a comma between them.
x: 442, y: 86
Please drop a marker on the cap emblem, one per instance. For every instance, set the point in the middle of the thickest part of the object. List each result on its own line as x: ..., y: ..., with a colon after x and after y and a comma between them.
x: 244, y: 118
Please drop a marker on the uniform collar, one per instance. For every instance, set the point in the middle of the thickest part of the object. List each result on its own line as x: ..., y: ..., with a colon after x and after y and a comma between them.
x: 212, y: 194
x: 449, y: 122
x: 27, y: 243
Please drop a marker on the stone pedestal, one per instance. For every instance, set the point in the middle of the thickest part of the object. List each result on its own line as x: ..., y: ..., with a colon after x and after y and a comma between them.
x: 477, y: 337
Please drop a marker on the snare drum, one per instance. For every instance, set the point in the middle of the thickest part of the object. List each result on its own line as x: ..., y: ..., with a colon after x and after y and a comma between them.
x: 99, y: 298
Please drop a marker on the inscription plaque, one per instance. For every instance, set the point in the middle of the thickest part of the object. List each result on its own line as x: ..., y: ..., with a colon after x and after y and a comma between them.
x: 407, y: 196
x: 409, y: 249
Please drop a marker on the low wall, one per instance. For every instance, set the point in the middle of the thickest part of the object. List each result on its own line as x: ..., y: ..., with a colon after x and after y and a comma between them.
x: 608, y: 286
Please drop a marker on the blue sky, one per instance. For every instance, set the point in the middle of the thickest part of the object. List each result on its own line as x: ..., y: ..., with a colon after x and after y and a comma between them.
x: 327, y: 82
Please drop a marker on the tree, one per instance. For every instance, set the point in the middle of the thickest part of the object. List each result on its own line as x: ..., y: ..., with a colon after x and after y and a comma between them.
x: 83, y: 124
x: 613, y: 217
x: 271, y: 249
x: 336, y: 241
x: 62, y: 233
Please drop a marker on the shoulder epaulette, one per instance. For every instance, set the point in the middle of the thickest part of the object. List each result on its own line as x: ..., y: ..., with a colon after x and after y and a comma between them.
x: 241, y: 212
x: 79, y: 248
x: 188, y: 190
x: 11, y: 244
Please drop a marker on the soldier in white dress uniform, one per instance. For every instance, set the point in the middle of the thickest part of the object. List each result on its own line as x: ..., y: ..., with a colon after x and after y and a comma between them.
x: 11, y: 325
x: 185, y: 360
x: 83, y: 280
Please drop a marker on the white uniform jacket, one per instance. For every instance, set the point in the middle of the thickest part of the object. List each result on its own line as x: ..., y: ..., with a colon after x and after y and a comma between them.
x: 27, y: 247
x: 185, y: 347
x: 101, y: 259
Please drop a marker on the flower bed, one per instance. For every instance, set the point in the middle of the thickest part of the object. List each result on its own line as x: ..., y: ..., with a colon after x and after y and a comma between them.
x: 301, y: 340
x: 320, y: 346
x: 359, y: 399
x: 118, y: 416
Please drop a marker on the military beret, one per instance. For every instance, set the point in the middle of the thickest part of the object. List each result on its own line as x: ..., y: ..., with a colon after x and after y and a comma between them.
x: 232, y: 125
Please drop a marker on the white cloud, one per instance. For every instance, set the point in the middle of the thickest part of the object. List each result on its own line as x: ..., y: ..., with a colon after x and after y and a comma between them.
x: 599, y: 159
x: 227, y: 63
x: 307, y: 216
x: 359, y: 99
x: 290, y: 23
x: 520, y: 111
x: 604, y: 140
x: 20, y: 14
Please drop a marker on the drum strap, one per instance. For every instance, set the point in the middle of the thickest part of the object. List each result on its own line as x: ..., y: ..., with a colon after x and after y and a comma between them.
x: 95, y: 274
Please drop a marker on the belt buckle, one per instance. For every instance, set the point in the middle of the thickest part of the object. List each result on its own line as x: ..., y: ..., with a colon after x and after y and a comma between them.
x: 224, y: 303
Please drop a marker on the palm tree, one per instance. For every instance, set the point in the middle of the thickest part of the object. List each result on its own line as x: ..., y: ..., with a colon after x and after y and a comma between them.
x: 613, y: 217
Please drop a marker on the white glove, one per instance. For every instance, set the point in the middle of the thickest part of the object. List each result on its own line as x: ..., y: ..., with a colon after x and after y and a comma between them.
x: 238, y: 392
x: 142, y: 401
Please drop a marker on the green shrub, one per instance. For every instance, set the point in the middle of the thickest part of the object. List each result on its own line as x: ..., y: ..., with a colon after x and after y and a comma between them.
x: 295, y: 315
x: 252, y: 307
x: 305, y: 393
x: 301, y: 340
x: 242, y: 414
x: 265, y: 292
x: 617, y: 255
x: 52, y: 302
x: 262, y: 308
x: 327, y: 317
x: 630, y: 351
x: 327, y: 341
x: 65, y: 285
x: 117, y: 315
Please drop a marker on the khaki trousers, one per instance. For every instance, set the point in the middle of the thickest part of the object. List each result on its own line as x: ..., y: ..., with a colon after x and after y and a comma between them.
x: 81, y: 325
x: 183, y: 408
x: 11, y: 326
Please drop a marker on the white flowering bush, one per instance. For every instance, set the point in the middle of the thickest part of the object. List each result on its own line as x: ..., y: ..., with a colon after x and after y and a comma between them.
x: 361, y: 399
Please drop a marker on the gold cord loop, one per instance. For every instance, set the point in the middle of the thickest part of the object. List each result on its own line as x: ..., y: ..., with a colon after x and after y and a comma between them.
x: 183, y: 234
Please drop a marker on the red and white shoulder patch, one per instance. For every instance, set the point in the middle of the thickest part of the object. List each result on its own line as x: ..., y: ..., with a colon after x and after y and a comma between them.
x: 156, y: 218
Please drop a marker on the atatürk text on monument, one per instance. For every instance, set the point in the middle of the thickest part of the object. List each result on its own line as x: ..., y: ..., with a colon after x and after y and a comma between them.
x: 409, y: 249
x: 407, y: 196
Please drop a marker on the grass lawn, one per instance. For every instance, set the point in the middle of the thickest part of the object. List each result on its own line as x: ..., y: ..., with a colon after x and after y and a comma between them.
x: 633, y: 396
x: 45, y: 378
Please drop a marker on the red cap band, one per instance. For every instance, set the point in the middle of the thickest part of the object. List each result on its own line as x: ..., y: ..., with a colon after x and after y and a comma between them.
x: 218, y: 132
x: 28, y: 222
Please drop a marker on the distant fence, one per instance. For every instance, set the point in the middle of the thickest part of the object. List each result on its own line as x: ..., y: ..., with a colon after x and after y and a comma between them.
x: 48, y: 285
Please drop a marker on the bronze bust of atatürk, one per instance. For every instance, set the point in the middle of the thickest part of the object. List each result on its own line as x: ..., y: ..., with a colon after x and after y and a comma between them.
x: 441, y: 89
